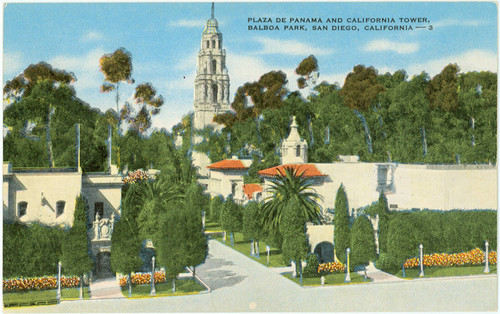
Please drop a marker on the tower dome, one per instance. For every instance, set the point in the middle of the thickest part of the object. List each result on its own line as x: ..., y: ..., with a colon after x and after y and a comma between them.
x: 212, y: 26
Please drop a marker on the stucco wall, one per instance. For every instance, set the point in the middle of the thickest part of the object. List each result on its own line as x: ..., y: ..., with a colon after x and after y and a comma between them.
x: 318, y: 234
x: 41, y: 191
x: 220, y: 182
x: 103, y: 188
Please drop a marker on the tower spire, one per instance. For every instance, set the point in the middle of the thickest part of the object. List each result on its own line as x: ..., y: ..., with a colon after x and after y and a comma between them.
x: 212, y: 10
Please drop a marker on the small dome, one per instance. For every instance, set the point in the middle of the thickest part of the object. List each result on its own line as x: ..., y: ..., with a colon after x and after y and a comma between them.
x: 211, y: 27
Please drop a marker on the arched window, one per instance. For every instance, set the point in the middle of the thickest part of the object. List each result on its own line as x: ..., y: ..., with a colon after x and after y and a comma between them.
x: 60, y: 208
x: 297, y: 151
x: 214, y: 66
x: 21, y: 209
x: 213, y: 44
x: 208, y: 44
x: 214, y: 93
x: 218, y: 44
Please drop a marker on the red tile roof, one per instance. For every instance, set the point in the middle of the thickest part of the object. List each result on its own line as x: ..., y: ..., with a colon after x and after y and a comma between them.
x: 251, y: 188
x: 307, y: 170
x: 233, y: 164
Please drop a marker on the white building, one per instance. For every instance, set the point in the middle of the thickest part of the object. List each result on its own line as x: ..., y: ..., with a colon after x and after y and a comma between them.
x: 226, y: 178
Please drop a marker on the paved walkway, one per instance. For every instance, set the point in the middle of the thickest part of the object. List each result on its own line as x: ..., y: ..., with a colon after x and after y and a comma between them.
x: 377, y: 275
x: 105, y: 289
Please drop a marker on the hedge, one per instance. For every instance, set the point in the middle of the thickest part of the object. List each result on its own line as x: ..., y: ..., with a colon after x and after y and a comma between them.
x: 440, y: 232
x: 31, y: 250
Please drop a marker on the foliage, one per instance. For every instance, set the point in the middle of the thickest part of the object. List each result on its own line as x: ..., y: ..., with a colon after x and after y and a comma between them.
x: 292, y: 227
x: 312, y: 264
x: 76, y: 251
x: 125, y: 245
x: 149, y: 104
x: 215, y: 208
x: 196, y: 241
x: 341, y: 234
x: 388, y: 263
x: 305, y: 69
x: 442, y: 89
x: 362, y: 242
x: 231, y: 216
x: 361, y: 88
x: 285, y: 186
x: 252, y: 227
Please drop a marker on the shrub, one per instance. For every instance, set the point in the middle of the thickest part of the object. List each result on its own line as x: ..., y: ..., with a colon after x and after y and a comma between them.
x: 312, y: 264
x: 215, y: 208
x: 362, y: 242
x: 388, y: 263
x: 341, y: 224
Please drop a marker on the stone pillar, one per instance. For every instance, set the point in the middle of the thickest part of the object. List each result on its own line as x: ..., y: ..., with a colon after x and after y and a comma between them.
x: 348, y: 274
x: 486, y: 259
x: 421, y: 247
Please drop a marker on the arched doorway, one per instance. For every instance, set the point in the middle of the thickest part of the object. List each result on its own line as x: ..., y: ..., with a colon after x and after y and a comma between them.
x: 104, y: 265
x: 324, y: 251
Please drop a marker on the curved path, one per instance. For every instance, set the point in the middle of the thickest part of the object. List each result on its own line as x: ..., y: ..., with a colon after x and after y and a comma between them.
x: 240, y: 284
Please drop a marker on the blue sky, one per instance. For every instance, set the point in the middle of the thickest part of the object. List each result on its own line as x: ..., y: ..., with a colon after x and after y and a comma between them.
x: 164, y: 39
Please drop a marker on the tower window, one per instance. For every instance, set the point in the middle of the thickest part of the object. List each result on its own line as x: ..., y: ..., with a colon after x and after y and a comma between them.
x: 60, y: 208
x: 214, y: 93
x: 297, y: 151
x: 214, y: 66
x: 213, y: 44
x: 208, y: 44
x: 21, y: 208
x: 218, y: 42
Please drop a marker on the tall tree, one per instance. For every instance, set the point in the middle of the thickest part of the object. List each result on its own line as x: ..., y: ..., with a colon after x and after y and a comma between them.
x: 148, y: 103
x: 341, y: 234
x: 362, y: 242
x: 295, y: 243
x: 231, y: 217
x: 252, y: 227
x: 442, y: 89
x: 75, y: 249
x: 286, y: 185
x: 361, y: 88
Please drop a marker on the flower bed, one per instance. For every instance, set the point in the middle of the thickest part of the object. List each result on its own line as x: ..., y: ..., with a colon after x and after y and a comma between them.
x: 136, y: 176
x: 39, y: 283
x: 473, y: 257
x: 331, y: 268
x: 143, y: 279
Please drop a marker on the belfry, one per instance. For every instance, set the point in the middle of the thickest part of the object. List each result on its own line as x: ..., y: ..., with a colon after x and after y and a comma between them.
x: 211, y: 85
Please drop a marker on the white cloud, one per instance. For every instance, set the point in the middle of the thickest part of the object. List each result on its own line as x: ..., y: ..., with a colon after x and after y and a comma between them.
x: 387, y: 45
x: 188, y: 23
x: 454, y: 22
x: 290, y: 47
x: 12, y: 63
x: 92, y: 36
x: 472, y: 60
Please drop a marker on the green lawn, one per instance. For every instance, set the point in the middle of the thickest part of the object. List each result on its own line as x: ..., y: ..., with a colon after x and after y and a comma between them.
x: 182, y: 286
x: 446, y: 271
x: 331, y: 279
x: 242, y: 245
x: 212, y: 226
x: 33, y: 297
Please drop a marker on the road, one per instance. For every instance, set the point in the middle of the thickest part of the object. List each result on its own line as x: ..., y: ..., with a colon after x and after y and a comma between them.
x: 240, y: 284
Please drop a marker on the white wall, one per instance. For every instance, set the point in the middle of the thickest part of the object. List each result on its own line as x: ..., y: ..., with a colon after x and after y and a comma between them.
x: 103, y: 188
x: 221, y: 180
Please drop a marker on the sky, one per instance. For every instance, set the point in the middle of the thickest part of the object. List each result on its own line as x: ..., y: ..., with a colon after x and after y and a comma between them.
x: 164, y: 40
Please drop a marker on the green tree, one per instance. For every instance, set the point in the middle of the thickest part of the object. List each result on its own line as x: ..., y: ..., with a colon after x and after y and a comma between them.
x: 383, y: 222
x: 231, y: 217
x: 402, y: 242
x: 361, y: 88
x: 285, y: 186
x: 117, y: 68
x: 362, y: 242
x: 295, y: 243
x: 75, y: 248
x: 216, y: 204
x: 171, y: 242
x: 342, y: 236
x: 252, y: 227
x: 442, y: 89
x: 148, y: 103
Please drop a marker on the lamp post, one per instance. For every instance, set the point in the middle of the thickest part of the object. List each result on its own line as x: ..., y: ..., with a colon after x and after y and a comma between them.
x: 58, y: 295
x: 421, y: 247
x: 268, y: 250
x: 153, y: 289
x: 487, y: 259
x: 348, y: 274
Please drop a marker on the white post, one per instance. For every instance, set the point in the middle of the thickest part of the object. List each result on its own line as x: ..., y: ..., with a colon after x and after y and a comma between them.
x: 421, y: 247
x: 348, y: 274
x: 322, y: 280
x: 294, y: 270
x: 487, y: 259
x: 58, y: 295
x: 252, y: 253
x: 203, y: 219
x: 224, y: 236
x: 268, y: 250
x: 153, y: 289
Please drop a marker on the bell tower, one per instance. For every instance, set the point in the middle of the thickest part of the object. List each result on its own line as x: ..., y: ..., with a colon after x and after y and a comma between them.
x: 211, y: 85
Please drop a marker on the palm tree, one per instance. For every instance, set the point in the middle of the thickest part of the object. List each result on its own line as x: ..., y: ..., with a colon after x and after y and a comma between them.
x: 286, y: 185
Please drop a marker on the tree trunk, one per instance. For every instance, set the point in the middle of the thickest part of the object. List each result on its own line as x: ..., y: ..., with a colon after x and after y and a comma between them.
x: 424, y: 140
x: 49, y: 141
x: 194, y: 272
x: 252, y: 248
x: 300, y: 270
x: 231, y: 235
x: 129, y: 285
x: 257, y: 248
x: 81, y: 287
x: 173, y: 285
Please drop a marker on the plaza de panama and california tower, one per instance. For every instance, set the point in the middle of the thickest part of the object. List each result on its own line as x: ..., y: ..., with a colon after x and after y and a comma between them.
x: 211, y: 87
